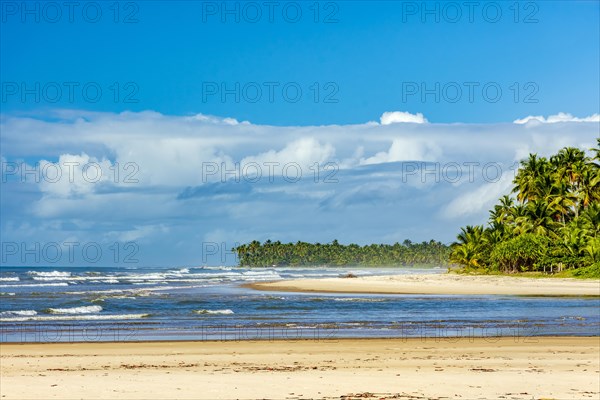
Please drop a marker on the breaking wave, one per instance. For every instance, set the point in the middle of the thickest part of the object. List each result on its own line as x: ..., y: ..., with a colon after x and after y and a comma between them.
x: 212, y: 312
x: 75, y: 317
x: 36, y: 285
x: 49, y: 274
x: 22, y: 313
x: 76, y: 310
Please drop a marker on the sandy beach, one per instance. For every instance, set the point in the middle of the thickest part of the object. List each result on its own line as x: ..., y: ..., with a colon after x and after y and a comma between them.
x: 466, y: 368
x: 441, y: 284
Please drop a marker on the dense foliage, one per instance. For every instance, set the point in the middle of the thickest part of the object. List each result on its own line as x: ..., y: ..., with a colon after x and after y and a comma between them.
x: 270, y: 253
x: 552, y: 224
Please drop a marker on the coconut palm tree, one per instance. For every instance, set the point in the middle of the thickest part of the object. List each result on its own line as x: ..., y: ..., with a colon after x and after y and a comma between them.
x: 529, y: 184
x: 470, y: 247
x: 558, y: 206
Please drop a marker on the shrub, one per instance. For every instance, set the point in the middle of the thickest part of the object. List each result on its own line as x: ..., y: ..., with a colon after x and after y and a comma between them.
x: 593, y: 271
x: 521, y: 253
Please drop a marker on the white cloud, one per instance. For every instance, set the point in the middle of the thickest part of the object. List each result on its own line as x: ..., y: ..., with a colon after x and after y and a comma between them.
x: 406, y: 149
x: 480, y: 199
x: 171, y: 208
x: 216, y: 120
x: 560, y: 117
x: 304, y: 152
x: 74, y: 175
x: 393, y: 117
x: 139, y: 232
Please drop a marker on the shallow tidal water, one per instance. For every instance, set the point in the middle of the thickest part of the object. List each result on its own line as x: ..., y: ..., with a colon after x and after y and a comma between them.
x: 207, y: 303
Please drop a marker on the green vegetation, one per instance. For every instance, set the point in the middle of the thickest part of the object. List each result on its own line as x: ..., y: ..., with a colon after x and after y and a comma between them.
x: 552, y: 226
x: 270, y: 253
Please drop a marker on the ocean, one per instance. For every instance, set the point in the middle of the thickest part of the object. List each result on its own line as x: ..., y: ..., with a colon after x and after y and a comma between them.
x: 208, y: 303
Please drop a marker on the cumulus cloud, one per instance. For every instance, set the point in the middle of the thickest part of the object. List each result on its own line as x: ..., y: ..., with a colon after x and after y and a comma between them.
x: 216, y: 120
x: 74, y: 175
x: 393, y: 117
x: 302, y: 154
x: 560, y: 117
x: 406, y: 149
x: 370, y: 193
x: 480, y: 199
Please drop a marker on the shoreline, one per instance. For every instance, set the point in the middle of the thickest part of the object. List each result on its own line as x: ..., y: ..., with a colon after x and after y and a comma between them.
x: 438, y: 284
x: 508, y: 367
x: 331, y: 339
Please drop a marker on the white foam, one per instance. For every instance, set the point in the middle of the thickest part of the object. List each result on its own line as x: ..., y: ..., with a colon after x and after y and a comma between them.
x: 76, y: 310
x: 137, y: 292
x: 37, y: 285
x: 22, y: 313
x: 221, y: 268
x: 9, y: 279
x: 75, y: 317
x: 159, y: 288
x: 49, y: 274
x: 260, y: 275
x: 181, y: 275
x: 93, y: 278
x: 149, y: 277
x: 183, y: 271
x: 264, y: 272
x: 59, y: 278
x: 214, y: 275
x: 98, y: 292
x: 166, y: 281
x: 224, y: 312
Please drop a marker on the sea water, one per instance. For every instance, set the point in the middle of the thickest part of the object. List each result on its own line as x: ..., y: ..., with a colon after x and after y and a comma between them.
x: 208, y: 303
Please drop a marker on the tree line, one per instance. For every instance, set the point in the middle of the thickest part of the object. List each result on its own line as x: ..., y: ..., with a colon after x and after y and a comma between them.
x: 549, y: 223
x: 270, y: 253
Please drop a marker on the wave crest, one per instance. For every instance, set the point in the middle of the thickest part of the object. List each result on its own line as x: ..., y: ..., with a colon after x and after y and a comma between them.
x: 213, y: 312
x: 57, y: 274
x: 21, y: 313
x: 76, y: 310
x: 75, y: 317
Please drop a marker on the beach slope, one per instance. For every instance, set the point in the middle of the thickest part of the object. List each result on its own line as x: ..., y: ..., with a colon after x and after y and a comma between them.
x: 465, y: 368
x: 440, y: 284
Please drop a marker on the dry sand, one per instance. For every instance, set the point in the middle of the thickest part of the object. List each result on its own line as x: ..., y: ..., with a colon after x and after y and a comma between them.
x: 465, y: 368
x: 440, y: 284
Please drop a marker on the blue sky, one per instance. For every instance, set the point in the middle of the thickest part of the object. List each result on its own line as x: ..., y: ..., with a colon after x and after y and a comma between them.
x: 386, y: 122
x: 372, y: 50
